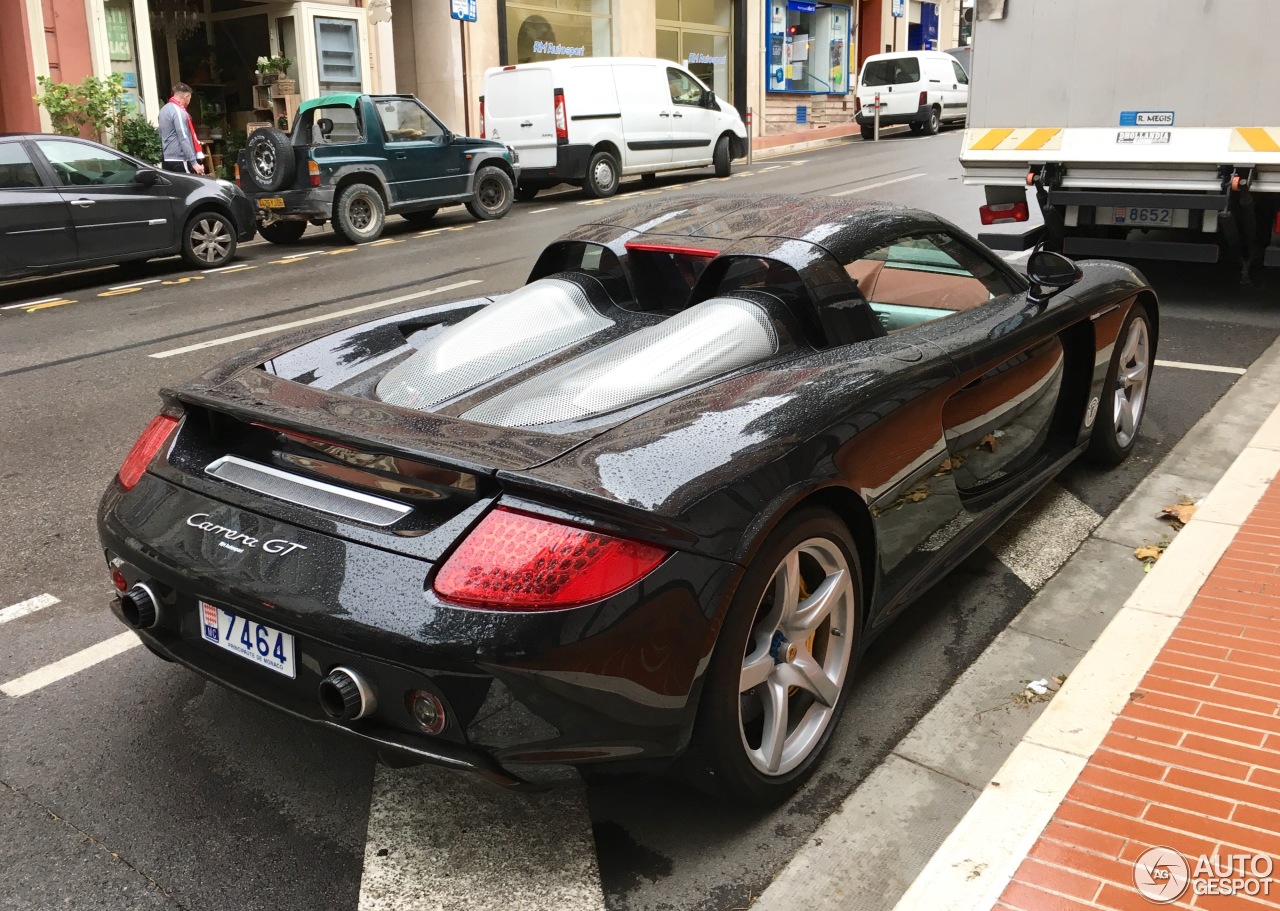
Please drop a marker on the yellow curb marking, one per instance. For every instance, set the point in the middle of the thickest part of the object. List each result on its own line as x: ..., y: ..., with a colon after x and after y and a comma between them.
x: 48, y: 304
x: 385, y: 241
x: 338, y: 252
x: 184, y: 280
x: 118, y: 291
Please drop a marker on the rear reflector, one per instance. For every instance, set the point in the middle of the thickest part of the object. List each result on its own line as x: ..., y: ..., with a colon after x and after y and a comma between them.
x: 482, y: 131
x: 145, y: 449
x: 671, y: 248
x: 513, y: 561
x: 1005, y: 212
x: 313, y: 169
x: 924, y: 99
x: 562, y: 120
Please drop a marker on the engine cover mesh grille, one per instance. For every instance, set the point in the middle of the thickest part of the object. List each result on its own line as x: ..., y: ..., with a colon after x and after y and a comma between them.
x: 714, y: 338
x: 535, y: 321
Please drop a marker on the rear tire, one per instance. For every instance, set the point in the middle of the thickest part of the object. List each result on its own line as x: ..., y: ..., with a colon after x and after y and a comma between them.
x: 934, y: 123
x: 492, y: 194
x: 722, y: 158
x: 270, y: 157
x: 791, y: 633
x: 358, y: 213
x: 283, y: 232
x: 420, y: 218
x: 208, y: 240
x: 868, y: 133
x: 1124, y: 396
x: 602, y: 176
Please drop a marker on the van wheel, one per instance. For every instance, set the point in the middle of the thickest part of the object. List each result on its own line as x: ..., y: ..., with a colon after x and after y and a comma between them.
x: 283, y: 232
x: 868, y: 133
x: 602, y: 176
x: 358, y: 214
x: 526, y: 193
x: 492, y: 194
x: 722, y: 158
x: 935, y: 122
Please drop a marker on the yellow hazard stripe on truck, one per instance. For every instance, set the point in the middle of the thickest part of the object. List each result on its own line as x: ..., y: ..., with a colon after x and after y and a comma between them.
x: 1256, y: 139
x: 1044, y: 138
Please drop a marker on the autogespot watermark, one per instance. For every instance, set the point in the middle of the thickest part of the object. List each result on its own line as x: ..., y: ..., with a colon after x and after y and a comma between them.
x: 1163, y: 875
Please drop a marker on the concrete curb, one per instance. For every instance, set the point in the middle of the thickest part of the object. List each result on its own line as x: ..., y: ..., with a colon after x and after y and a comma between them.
x: 976, y: 862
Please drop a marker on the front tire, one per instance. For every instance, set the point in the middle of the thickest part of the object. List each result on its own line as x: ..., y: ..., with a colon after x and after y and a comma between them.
x: 782, y: 662
x: 283, y: 232
x: 602, y: 176
x: 721, y: 158
x: 358, y: 214
x: 934, y: 124
x: 1124, y: 396
x: 492, y: 194
x: 208, y: 240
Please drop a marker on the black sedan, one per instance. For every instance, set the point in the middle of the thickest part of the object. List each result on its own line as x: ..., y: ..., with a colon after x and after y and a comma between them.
x: 67, y: 202
x: 654, y: 504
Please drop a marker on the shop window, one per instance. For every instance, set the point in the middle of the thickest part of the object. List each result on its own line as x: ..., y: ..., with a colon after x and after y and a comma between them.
x: 555, y: 29
x: 808, y: 47
x: 337, y: 52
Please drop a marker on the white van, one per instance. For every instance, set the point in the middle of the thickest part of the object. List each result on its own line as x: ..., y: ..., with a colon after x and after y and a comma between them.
x: 590, y: 121
x: 922, y: 88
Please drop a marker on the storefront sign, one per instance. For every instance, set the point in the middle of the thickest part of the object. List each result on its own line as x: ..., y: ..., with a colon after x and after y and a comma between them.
x: 119, y: 47
x: 708, y: 59
x: 802, y: 7
x: 558, y: 50
x: 463, y: 10
x: 898, y: 8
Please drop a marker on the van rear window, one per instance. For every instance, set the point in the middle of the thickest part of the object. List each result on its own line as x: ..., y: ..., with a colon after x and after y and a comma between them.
x: 895, y: 71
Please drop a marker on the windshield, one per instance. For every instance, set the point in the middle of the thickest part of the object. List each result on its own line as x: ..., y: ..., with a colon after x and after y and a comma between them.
x: 894, y: 71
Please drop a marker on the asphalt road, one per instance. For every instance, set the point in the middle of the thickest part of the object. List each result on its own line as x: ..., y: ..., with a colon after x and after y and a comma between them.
x: 132, y: 784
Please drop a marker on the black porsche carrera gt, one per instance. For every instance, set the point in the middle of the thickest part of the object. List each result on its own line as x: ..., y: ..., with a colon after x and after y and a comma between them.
x: 655, y: 503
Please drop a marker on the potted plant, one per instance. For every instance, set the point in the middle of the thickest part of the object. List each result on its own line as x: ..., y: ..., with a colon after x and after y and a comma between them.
x: 273, y: 69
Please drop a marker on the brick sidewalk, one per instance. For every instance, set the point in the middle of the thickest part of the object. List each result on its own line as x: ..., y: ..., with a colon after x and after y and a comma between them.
x: 1192, y: 762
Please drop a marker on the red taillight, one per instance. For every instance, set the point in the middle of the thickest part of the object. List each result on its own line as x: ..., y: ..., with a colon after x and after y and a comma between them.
x: 482, y: 133
x: 671, y: 248
x: 924, y: 99
x: 313, y: 169
x: 1005, y: 212
x: 562, y: 119
x: 118, y: 580
x: 514, y: 561
x: 145, y: 449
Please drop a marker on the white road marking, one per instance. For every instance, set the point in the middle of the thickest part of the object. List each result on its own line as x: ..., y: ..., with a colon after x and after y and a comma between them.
x: 1207, y: 368
x: 540, y: 211
x: 436, y: 841
x: 300, y: 255
x: 30, y: 606
x: 875, y: 186
x: 228, y: 268
x: 267, y: 330
x: 150, y: 281
x: 47, y: 300
x: 72, y: 664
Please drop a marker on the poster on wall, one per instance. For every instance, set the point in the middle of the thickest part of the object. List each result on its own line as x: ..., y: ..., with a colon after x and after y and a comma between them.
x: 777, y: 70
x: 837, y: 63
x: 119, y: 47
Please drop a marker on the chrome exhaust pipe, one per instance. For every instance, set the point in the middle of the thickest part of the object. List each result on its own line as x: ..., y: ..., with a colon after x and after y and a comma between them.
x: 140, y: 607
x: 346, y: 696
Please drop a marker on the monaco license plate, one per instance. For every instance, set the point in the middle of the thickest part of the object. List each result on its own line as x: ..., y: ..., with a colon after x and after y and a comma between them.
x: 1135, y: 215
x: 249, y: 639
x: 270, y: 202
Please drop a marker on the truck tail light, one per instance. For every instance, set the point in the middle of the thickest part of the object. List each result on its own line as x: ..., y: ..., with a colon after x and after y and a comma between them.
x: 512, y: 561
x: 924, y: 99
x: 313, y: 169
x: 482, y: 131
x: 144, y: 450
x: 1004, y: 213
x: 562, y: 119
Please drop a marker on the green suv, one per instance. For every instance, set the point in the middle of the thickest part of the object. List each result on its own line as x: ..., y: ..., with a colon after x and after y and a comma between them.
x: 351, y: 159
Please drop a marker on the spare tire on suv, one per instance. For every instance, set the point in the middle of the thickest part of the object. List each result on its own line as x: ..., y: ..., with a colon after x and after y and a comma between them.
x: 271, y: 162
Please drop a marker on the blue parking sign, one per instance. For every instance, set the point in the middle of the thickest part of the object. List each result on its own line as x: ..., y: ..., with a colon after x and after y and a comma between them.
x: 898, y: 9
x: 464, y: 10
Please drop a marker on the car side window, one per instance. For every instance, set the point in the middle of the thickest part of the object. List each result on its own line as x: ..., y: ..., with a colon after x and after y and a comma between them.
x: 918, y: 278
x: 684, y: 89
x: 17, y: 171
x: 404, y: 120
x: 335, y: 125
x: 78, y: 164
x: 961, y: 76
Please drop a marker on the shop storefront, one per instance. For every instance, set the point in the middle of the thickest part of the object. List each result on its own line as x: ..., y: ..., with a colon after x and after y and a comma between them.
x: 698, y: 33
x: 808, y: 47
x: 922, y: 26
x: 556, y: 29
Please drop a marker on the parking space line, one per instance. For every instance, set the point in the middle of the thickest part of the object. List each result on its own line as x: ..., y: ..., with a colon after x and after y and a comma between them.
x: 235, y: 268
x: 280, y: 327
x: 72, y: 664
x: 150, y: 281
x: 45, y: 306
x: 30, y: 606
x: 1207, y: 368
x: 47, y: 300
x: 540, y: 211
x: 876, y: 186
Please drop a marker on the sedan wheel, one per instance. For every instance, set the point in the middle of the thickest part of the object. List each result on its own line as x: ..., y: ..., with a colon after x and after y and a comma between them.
x: 783, y: 659
x: 210, y: 240
x: 1118, y: 411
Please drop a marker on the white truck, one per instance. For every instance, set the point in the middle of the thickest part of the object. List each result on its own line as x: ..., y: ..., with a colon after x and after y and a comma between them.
x: 1145, y: 129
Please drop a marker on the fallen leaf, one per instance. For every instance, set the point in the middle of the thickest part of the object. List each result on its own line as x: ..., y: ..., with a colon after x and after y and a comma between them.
x: 1149, y: 553
x: 915, y: 496
x: 989, y: 442
x: 1179, y: 514
x: 945, y: 467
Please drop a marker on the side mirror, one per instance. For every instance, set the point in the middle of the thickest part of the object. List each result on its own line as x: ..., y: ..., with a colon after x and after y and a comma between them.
x: 709, y: 100
x: 447, y: 139
x: 1051, y: 273
x: 146, y: 177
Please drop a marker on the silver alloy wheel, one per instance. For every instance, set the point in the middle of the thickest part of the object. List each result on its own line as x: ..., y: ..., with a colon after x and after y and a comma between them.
x: 360, y: 213
x: 1132, y: 374
x: 797, y: 657
x: 210, y: 240
x: 604, y: 175
x: 264, y: 160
